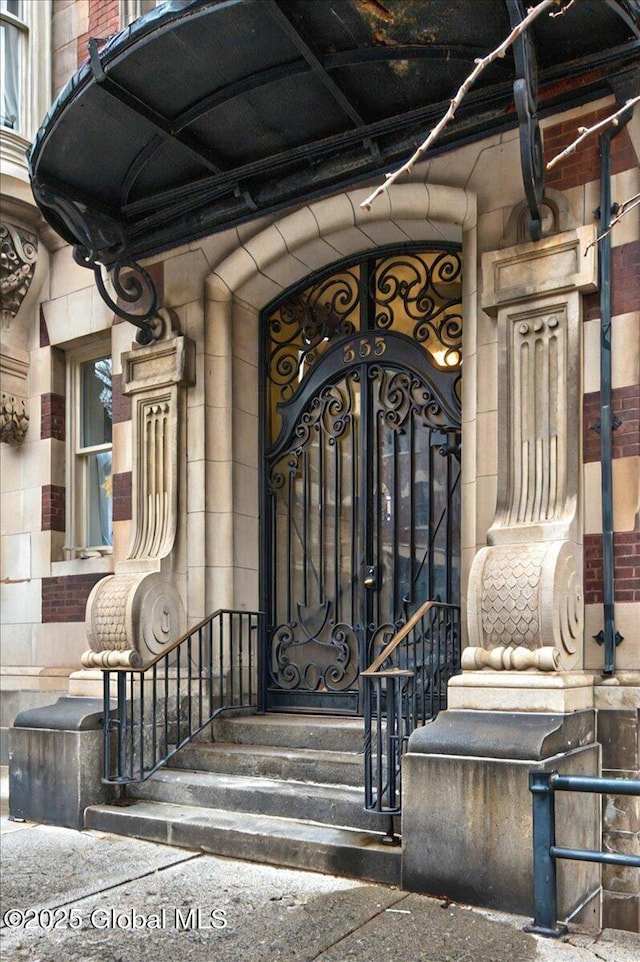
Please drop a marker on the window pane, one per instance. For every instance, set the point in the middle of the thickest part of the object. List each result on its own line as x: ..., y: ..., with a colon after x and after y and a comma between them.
x: 12, y: 6
x: 10, y: 41
x: 99, y: 499
x: 96, y: 402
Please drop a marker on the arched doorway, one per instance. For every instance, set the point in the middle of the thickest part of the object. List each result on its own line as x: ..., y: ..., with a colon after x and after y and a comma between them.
x: 361, y: 466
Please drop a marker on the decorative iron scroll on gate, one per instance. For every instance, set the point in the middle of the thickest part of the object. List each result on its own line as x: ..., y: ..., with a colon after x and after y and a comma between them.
x: 361, y: 486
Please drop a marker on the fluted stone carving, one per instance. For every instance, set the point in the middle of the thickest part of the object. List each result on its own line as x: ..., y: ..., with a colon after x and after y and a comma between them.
x: 525, y: 598
x: 18, y: 256
x: 132, y: 615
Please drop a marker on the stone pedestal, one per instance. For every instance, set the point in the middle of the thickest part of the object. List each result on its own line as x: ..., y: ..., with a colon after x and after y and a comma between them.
x: 467, y: 823
x: 56, y: 762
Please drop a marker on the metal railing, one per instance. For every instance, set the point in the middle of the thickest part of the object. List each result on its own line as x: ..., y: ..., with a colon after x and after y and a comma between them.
x: 543, y: 786
x: 404, y: 687
x: 161, y: 707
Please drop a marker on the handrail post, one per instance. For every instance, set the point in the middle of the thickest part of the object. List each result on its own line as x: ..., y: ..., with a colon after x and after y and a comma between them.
x: 544, y: 866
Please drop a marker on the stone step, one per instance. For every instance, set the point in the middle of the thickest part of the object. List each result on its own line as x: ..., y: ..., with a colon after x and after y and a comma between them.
x: 331, y: 804
x: 297, y: 764
x: 256, y: 838
x: 314, y: 732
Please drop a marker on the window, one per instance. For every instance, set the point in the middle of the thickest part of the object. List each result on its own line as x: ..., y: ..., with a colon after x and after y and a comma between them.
x: 13, y: 33
x: 89, y: 499
x: 130, y: 10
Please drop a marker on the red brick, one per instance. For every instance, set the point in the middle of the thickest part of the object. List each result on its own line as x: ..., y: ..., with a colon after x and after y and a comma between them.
x: 626, y: 574
x: 122, y: 496
x: 52, y: 417
x: 583, y: 165
x: 121, y: 403
x: 53, y: 517
x: 65, y: 598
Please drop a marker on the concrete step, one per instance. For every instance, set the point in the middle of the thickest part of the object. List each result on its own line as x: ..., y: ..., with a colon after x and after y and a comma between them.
x: 314, y: 732
x: 330, y: 804
x: 298, y: 764
x: 256, y: 838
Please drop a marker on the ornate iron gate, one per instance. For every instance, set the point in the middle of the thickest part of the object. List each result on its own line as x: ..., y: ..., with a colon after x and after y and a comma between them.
x: 361, y: 487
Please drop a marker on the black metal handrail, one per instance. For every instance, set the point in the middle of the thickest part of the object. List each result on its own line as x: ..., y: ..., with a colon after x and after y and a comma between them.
x: 162, y: 706
x: 542, y: 786
x: 405, y: 687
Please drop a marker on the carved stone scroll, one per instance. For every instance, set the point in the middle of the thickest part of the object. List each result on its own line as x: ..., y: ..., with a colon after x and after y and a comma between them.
x: 130, y: 619
x: 525, y: 598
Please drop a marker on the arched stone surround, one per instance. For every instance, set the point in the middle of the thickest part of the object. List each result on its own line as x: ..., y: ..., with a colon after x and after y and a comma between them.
x: 238, y: 289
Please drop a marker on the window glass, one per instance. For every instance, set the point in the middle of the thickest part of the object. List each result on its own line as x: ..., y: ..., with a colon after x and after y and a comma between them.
x: 96, y: 402
x: 10, y: 51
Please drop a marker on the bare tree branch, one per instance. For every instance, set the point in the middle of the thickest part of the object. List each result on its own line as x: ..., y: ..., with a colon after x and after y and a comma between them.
x: 587, y: 131
x: 481, y: 64
x: 630, y: 204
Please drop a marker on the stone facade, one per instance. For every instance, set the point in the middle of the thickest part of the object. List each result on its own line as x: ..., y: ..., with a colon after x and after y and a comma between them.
x: 531, y: 509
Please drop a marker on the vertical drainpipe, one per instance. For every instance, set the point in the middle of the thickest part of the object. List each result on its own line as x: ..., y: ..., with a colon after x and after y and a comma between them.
x: 609, y: 636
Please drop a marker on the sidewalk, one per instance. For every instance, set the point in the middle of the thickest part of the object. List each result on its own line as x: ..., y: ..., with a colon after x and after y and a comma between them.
x: 91, y: 897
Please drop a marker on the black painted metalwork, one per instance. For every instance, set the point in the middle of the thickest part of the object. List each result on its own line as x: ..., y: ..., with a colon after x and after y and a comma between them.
x: 212, y: 669
x: 525, y: 95
x: 543, y: 786
x: 404, y: 687
x: 361, y: 489
x: 609, y: 636
x: 165, y: 152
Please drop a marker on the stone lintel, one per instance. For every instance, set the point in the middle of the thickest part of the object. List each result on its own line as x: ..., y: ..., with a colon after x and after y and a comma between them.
x: 562, y: 262
x: 160, y: 365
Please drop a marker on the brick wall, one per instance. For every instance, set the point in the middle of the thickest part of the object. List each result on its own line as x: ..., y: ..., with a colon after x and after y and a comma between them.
x: 121, y: 403
x: 65, y: 598
x: 52, y: 417
x: 122, y: 496
x: 625, y: 283
x: 104, y: 20
x: 626, y: 567
x: 583, y: 165
x: 53, y: 507
x: 625, y: 402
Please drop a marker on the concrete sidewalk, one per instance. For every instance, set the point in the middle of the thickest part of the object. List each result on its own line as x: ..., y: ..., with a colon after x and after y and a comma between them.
x: 93, y: 897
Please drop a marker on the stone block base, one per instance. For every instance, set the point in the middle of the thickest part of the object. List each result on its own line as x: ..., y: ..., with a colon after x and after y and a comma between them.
x: 56, y: 762
x: 467, y: 823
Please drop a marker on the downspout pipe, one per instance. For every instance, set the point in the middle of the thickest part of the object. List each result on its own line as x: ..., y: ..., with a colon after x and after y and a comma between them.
x: 608, y: 636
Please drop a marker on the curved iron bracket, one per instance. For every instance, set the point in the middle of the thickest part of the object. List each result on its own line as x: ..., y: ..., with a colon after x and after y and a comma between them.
x: 101, y: 244
x: 525, y: 95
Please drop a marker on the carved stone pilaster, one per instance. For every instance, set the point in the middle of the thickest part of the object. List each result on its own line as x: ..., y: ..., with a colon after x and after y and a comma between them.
x: 525, y: 599
x: 153, y: 377
x: 14, y: 408
x: 18, y: 256
x: 132, y: 615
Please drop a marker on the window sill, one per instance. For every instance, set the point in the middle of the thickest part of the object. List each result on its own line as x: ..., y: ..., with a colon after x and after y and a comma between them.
x: 83, y: 566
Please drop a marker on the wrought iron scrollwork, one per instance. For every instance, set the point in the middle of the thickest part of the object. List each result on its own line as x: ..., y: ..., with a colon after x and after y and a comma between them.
x: 401, y: 394
x: 102, y: 245
x: 306, y: 321
x: 525, y: 93
x: 319, y: 660
x: 419, y: 289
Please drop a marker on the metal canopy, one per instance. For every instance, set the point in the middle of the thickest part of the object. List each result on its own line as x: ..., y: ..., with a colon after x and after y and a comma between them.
x: 206, y: 113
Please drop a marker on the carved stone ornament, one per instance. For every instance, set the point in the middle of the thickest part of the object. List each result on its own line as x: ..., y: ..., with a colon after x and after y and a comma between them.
x: 525, y: 598
x: 18, y: 256
x: 130, y: 619
x: 14, y: 419
x: 14, y: 412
